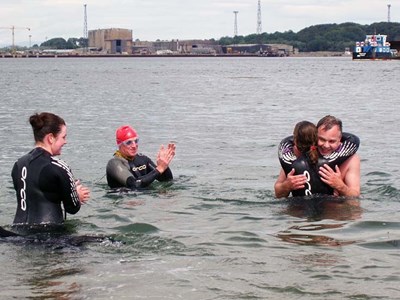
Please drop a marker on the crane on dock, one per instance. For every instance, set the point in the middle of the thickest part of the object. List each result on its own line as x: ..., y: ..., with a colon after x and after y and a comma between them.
x: 13, y: 28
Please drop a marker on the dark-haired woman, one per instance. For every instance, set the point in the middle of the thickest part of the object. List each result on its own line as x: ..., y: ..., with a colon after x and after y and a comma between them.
x: 45, y: 186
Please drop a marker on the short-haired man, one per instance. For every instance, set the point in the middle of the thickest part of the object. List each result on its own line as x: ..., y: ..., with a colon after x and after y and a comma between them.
x: 345, y: 180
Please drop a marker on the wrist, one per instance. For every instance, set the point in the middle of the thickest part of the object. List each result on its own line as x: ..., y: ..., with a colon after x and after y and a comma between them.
x: 282, y: 190
x: 342, y: 189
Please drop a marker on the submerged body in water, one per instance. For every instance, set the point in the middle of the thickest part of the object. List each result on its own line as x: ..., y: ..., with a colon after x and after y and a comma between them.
x: 54, y: 236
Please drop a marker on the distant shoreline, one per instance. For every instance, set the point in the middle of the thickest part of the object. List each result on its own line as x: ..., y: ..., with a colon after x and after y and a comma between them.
x: 301, y: 54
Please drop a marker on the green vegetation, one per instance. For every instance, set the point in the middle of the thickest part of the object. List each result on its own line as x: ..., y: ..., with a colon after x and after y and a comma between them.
x: 325, y: 37
x: 60, y: 43
x: 55, y: 43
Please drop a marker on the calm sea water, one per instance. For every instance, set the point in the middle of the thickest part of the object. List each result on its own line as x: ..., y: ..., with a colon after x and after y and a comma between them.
x: 217, y: 232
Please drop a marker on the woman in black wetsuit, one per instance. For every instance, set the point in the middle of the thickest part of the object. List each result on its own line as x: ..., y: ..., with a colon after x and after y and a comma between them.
x: 44, y: 184
x: 298, y: 154
x: 133, y: 170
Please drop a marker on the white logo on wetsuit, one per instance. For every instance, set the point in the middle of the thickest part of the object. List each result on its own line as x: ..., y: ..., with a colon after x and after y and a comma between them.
x: 22, y: 192
x: 140, y: 168
x: 308, y: 185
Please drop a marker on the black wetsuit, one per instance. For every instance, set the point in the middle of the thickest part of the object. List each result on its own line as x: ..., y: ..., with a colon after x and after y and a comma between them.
x: 302, y: 164
x: 137, y: 173
x: 42, y: 182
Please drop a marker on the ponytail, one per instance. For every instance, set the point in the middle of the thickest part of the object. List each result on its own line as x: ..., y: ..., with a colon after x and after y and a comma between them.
x: 313, y: 154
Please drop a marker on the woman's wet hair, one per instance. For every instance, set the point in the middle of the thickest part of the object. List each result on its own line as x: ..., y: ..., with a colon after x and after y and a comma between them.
x: 45, y: 123
x: 305, y: 136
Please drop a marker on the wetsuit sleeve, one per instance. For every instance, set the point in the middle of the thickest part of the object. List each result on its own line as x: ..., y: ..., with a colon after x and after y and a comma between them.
x: 286, y: 153
x: 118, y: 173
x: 142, y: 181
x: 166, y: 176
x: 60, y: 179
x: 349, y: 146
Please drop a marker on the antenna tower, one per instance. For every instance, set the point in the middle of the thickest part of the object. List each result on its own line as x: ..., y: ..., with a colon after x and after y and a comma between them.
x: 85, y: 30
x: 259, y: 27
x: 389, y: 5
x: 13, y: 35
x: 235, y: 28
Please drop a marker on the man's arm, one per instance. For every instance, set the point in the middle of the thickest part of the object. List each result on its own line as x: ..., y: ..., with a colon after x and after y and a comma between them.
x: 346, y: 179
x: 285, y: 184
x: 117, y: 172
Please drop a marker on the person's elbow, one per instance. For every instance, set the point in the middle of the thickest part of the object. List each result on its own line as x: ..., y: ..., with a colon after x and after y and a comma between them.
x: 350, y: 191
x: 354, y: 192
x: 280, y: 192
x: 72, y: 209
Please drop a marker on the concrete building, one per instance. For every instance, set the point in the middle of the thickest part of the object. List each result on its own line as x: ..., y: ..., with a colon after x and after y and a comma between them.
x: 177, y: 47
x: 111, y: 41
x: 259, y: 49
x: 284, y: 49
x: 199, y: 47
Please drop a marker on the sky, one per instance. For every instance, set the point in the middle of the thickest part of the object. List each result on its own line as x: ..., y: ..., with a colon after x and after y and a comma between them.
x: 151, y: 20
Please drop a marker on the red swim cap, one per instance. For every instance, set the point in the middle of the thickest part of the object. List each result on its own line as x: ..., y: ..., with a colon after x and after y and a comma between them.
x: 124, y: 133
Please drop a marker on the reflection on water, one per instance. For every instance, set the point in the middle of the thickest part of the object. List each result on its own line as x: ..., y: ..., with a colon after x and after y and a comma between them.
x: 52, y: 285
x: 319, y: 211
x: 319, y: 208
x: 308, y: 239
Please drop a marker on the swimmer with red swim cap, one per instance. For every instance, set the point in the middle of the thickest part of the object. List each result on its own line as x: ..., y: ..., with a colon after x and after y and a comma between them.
x: 131, y: 169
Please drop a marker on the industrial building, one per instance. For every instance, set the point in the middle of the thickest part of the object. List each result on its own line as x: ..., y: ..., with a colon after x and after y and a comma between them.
x: 184, y: 47
x: 111, y: 41
x: 259, y: 49
x: 119, y: 41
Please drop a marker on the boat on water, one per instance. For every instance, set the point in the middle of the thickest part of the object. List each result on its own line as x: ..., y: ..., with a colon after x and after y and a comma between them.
x: 375, y: 46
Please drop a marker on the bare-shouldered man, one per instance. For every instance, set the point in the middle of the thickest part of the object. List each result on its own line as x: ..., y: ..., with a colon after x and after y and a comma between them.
x: 346, y: 179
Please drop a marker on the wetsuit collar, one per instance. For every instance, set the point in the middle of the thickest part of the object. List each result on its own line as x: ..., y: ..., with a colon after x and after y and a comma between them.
x: 119, y: 154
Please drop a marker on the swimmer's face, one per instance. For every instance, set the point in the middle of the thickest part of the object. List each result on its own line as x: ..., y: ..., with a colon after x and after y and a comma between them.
x: 59, y: 141
x: 129, y: 148
x: 328, y: 140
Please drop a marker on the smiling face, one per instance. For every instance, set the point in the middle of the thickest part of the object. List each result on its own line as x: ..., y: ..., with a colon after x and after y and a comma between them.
x: 58, y: 141
x: 129, y: 148
x: 328, y: 140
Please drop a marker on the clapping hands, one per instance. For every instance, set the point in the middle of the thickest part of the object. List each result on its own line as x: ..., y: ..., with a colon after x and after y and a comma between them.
x: 83, y: 192
x: 165, y: 156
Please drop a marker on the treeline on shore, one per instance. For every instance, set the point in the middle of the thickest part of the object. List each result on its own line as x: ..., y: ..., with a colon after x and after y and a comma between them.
x: 323, y: 37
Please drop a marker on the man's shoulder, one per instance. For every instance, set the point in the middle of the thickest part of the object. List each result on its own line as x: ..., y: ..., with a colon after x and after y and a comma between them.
x: 354, y: 159
x: 353, y: 162
x: 116, y: 160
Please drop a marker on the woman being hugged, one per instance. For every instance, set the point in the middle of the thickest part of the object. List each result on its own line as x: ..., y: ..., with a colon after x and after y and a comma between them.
x: 305, y: 137
x: 44, y: 185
